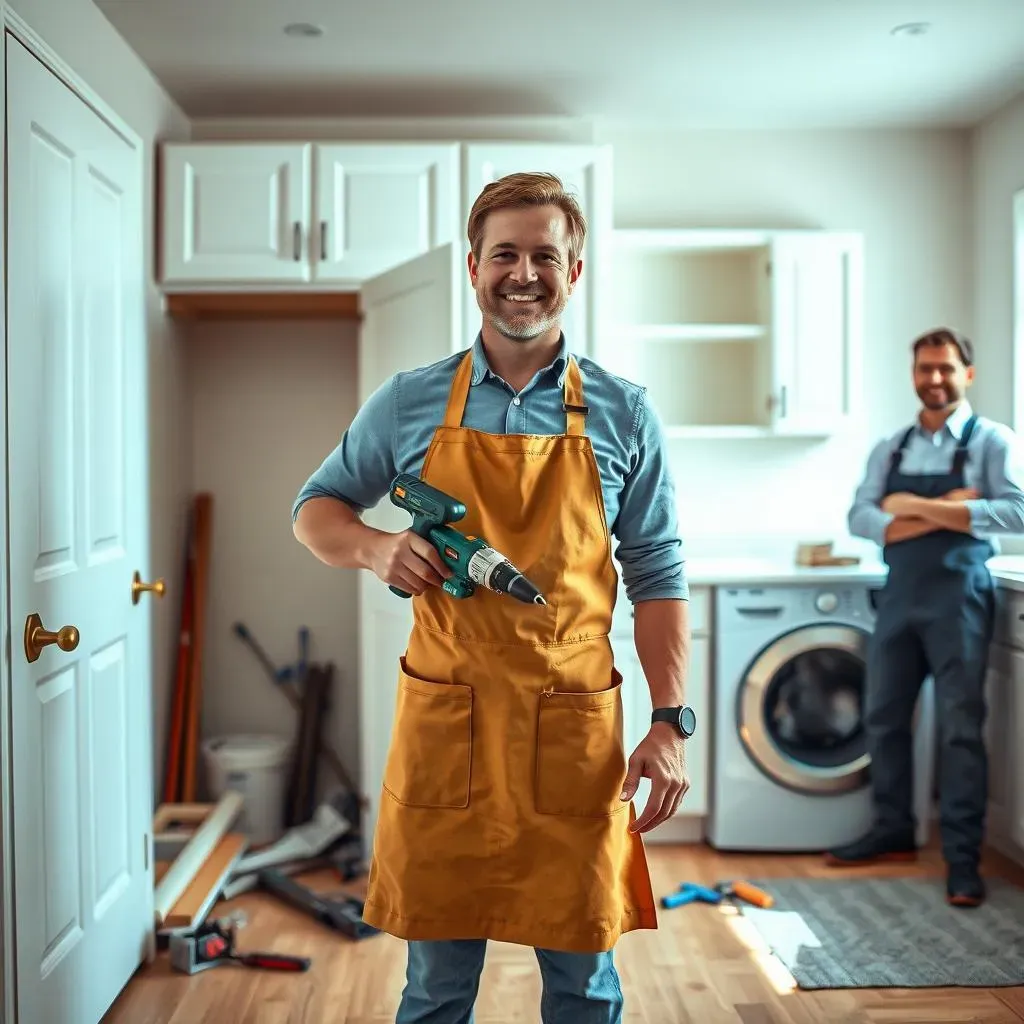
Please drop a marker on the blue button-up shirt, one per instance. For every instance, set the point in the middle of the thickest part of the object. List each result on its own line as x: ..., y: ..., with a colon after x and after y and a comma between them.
x: 391, y: 432
x: 994, y: 468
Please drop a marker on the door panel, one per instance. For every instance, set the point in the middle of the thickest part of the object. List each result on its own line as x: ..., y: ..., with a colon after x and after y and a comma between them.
x: 410, y: 319
x: 80, y: 722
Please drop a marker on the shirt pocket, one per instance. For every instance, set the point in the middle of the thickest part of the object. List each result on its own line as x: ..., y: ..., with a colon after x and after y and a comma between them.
x: 580, y: 762
x: 429, y: 761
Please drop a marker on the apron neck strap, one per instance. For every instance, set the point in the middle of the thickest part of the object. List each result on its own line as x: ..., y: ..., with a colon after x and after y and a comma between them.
x: 572, y: 401
x: 459, y: 392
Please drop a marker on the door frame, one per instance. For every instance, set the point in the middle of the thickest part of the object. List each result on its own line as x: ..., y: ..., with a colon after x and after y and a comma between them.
x: 17, y: 27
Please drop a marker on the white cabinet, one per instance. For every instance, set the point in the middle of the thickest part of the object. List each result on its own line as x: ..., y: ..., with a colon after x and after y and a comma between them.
x: 739, y: 333
x: 586, y: 172
x: 235, y: 212
x: 637, y: 705
x: 302, y: 214
x: 1004, y: 728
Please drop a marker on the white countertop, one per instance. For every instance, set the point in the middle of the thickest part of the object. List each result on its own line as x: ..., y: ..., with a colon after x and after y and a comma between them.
x: 1007, y: 570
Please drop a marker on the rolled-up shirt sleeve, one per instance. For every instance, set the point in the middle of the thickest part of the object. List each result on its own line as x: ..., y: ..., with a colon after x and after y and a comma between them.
x: 650, y: 549
x: 1000, y: 509
x: 361, y: 469
x: 866, y: 518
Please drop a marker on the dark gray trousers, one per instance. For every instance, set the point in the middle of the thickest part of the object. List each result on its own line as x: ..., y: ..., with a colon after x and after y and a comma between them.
x: 950, y: 642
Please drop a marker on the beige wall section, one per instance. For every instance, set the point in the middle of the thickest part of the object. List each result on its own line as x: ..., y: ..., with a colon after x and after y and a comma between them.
x: 270, y: 400
x: 85, y: 40
x: 998, y: 172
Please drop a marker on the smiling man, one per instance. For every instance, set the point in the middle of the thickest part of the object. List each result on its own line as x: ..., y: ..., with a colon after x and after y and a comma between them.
x: 932, y: 496
x: 506, y: 811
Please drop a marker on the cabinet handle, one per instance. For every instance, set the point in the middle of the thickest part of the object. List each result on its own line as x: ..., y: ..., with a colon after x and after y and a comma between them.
x: 297, y: 241
x: 323, y: 241
x: 782, y: 402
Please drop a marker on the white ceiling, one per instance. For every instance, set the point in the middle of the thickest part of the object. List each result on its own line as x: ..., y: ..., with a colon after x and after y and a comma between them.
x: 717, y: 63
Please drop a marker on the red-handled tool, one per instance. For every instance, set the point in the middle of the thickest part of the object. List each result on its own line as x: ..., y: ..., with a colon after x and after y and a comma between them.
x: 213, y: 944
x: 272, y: 961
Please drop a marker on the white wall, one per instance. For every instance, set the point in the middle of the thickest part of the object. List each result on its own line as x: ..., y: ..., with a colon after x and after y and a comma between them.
x: 270, y: 400
x: 998, y: 172
x: 84, y: 39
x: 908, y: 192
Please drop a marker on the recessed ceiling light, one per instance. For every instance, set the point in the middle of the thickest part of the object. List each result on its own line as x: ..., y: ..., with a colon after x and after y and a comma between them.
x: 303, y: 29
x: 911, y: 28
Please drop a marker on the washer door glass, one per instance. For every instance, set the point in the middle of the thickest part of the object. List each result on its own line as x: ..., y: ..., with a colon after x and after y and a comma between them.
x: 800, y: 710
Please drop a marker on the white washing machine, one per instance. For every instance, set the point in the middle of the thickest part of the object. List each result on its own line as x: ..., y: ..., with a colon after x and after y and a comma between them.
x: 790, y: 762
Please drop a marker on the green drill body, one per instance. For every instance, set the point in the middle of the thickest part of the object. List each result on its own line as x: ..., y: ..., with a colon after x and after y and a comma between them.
x: 472, y: 560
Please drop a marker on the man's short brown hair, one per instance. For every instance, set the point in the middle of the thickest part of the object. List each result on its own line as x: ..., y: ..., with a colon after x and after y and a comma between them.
x: 947, y: 336
x: 527, y: 188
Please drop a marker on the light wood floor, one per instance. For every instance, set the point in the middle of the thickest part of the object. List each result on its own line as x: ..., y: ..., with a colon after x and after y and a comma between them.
x: 697, y: 968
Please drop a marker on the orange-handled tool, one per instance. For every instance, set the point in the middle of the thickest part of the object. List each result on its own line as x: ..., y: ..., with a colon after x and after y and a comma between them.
x: 748, y: 892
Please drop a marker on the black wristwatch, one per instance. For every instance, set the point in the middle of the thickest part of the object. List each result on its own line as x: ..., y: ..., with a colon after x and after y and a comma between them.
x: 681, y: 717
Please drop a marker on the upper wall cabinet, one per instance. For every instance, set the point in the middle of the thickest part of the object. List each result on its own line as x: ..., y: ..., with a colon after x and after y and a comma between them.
x: 242, y: 213
x: 739, y: 333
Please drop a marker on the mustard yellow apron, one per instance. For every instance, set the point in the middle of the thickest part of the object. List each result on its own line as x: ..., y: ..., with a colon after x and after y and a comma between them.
x: 500, y: 815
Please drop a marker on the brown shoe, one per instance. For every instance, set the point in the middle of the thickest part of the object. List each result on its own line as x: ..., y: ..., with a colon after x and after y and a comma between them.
x: 873, y: 849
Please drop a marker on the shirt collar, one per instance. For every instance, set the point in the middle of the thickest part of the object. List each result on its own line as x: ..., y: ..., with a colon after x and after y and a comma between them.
x: 481, y: 368
x: 956, y: 421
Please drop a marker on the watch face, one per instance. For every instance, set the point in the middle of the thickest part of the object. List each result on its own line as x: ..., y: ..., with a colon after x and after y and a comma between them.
x: 687, y: 720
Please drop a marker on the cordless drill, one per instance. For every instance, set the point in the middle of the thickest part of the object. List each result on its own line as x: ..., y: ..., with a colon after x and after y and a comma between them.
x: 472, y: 560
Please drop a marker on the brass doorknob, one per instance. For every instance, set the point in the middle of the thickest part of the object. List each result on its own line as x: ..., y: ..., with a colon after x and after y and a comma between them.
x: 138, y: 587
x: 36, y: 638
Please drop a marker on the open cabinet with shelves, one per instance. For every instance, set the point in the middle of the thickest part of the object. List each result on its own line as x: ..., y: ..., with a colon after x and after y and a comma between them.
x: 738, y: 333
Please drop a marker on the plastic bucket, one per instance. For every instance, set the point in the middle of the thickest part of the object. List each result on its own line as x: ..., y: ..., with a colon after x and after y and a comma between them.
x: 255, y: 766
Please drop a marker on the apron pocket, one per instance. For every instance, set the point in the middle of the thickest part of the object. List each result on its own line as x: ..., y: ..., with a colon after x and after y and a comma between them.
x: 581, y: 762
x: 428, y: 762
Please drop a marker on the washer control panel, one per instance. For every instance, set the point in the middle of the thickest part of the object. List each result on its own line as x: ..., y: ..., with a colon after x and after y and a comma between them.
x: 826, y: 602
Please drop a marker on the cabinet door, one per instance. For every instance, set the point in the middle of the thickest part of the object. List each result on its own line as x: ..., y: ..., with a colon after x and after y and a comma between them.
x: 1012, y: 764
x: 235, y: 212
x: 379, y: 205
x: 585, y: 171
x: 636, y: 703
x: 999, y: 740
x: 816, y: 296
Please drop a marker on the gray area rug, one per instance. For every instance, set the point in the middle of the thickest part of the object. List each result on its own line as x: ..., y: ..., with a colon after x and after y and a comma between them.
x: 891, y: 933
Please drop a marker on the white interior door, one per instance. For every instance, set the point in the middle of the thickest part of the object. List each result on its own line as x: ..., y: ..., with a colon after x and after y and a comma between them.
x: 411, y: 318
x: 80, y: 714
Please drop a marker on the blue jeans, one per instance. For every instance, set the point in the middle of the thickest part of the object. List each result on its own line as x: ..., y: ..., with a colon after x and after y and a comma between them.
x: 442, y: 979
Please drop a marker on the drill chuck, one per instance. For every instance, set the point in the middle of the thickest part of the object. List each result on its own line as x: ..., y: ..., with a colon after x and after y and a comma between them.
x: 493, y: 570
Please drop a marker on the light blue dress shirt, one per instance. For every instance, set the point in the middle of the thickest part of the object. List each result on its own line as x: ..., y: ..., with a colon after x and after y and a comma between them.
x: 391, y: 432
x: 994, y: 468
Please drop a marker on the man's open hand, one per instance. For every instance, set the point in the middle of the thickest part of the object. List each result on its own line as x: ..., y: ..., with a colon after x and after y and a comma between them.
x: 902, y: 503
x: 659, y: 757
x: 962, y: 494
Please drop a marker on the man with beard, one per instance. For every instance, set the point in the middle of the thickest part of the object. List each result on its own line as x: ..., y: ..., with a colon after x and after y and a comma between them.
x: 506, y: 808
x: 932, y: 496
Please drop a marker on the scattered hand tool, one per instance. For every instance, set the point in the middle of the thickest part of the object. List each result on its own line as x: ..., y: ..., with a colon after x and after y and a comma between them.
x: 213, y: 944
x: 746, y: 891
x: 689, y: 892
x: 344, y: 915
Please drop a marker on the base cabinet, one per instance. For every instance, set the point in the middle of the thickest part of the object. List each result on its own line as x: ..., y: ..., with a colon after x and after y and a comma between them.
x: 636, y: 697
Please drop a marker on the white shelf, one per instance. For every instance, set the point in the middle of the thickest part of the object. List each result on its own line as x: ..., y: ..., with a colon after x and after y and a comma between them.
x: 668, y: 240
x: 721, y: 433
x: 689, y: 332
